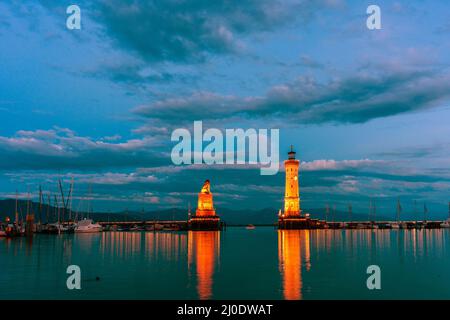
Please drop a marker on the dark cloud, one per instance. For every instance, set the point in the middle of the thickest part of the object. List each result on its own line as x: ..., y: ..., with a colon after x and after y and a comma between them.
x: 189, y: 31
x: 132, y: 74
x: 414, y: 152
x: 155, y: 32
x: 139, y: 74
x: 367, y: 95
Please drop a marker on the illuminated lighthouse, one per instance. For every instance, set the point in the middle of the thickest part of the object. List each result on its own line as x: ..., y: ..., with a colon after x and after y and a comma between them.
x: 292, y: 217
x: 291, y: 195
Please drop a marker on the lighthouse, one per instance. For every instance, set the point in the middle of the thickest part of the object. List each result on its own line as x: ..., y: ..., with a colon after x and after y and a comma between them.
x: 291, y: 217
x: 291, y: 195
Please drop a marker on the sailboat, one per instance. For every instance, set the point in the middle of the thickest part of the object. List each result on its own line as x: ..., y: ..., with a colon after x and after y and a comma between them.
x: 39, y: 226
x: 373, y: 213
x: 2, y: 230
x: 70, y: 225
x: 56, y: 227
x: 12, y: 230
x: 425, y: 211
x: 29, y: 230
x: 15, y: 229
x: 347, y: 224
x: 397, y: 225
x: 446, y: 223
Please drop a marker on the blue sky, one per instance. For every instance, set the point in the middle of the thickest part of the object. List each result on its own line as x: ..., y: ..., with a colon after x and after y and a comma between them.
x: 367, y: 110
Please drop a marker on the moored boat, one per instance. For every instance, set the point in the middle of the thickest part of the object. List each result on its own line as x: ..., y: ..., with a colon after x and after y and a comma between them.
x: 135, y: 228
x: 87, y: 226
x: 154, y: 227
x: 12, y: 230
x: 2, y: 231
x: 56, y: 228
x: 445, y: 224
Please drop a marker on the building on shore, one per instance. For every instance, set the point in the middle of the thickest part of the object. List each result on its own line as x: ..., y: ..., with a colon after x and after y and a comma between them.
x: 205, y: 217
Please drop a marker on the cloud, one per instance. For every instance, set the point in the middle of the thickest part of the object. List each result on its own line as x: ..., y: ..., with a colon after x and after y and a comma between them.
x: 308, y: 62
x: 61, y: 148
x: 190, y: 31
x: 106, y: 178
x: 367, y: 95
x: 434, y: 150
x: 321, y: 180
x: 318, y: 165
x: 112, y: 178
x: 131, y: 74
x: 135, y: 73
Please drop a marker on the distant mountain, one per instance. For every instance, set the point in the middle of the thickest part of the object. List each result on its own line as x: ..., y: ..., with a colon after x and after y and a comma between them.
x: 231, y: 217
x: 7, y: 209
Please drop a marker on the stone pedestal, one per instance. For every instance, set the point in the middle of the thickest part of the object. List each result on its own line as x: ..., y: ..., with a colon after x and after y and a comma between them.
x: 299, y: 223
x: 204, y: 223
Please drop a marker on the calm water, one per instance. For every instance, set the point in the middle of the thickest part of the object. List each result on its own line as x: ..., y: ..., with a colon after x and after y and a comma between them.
x: 235, y: 264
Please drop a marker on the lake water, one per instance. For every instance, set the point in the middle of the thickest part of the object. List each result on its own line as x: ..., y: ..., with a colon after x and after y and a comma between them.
x: 263, y: 263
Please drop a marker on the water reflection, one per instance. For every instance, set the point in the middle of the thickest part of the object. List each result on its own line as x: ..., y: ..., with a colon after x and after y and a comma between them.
x: 406, y: 244
x: 203, y: 254
x: 293, y: 249
x: 311, y: 264
x: 154, y: 246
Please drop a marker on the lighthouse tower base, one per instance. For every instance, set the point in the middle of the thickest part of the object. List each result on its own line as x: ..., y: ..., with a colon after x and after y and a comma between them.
x: 205, y: 223
x: 298, y: 223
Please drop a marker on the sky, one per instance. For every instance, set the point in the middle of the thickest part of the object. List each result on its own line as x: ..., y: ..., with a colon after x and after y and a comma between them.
x: 366, y: 110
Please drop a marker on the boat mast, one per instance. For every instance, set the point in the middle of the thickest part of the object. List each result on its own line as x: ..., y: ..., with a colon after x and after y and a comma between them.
x: 17, y: 211
x: 69, y: 200
x: 48, y: 207
x: 89, y: 200
x: 62, y: 199
x: 374, y: 211
x: 415, y: 210
x: 399, y: 209
x: 28, y: 204
x: 57, y: 207
x: 40, y: 204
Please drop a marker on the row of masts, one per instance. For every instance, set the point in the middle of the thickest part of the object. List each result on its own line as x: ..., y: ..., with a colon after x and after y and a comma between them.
x: 373, y: 211
x: 59, y: 207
